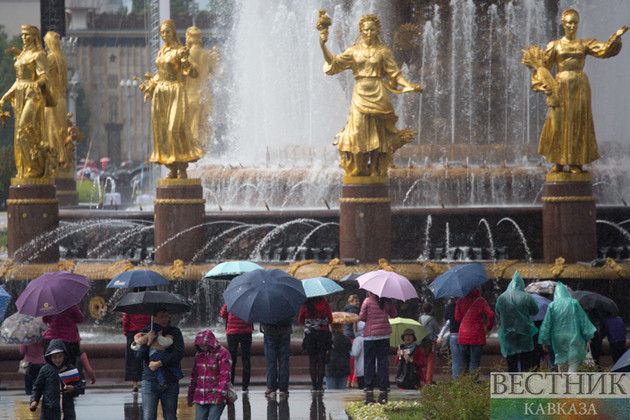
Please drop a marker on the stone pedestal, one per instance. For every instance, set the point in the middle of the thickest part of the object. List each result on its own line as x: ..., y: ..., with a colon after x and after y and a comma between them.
x: 179, y: 208
x: 33, y: 213
x: 569, y: 218
x: 67, y: 192
x: 365, y: 220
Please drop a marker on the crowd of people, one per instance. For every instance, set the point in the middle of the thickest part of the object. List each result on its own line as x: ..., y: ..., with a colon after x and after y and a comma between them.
x: 341, y: 354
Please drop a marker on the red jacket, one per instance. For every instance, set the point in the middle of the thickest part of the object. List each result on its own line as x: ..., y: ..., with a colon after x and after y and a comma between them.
x: 322, y: 310
x: 471, y: 330
x: 377, y: 319
x: 419, y: 361
x: 135, y: 322
x: 235, y: 325
x: 64, y: 325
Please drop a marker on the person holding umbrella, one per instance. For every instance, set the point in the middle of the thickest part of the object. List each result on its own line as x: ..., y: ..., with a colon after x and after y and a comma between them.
x: 375, y: 312
x: 469, y: 313
x: 152, y: 393
x: 239, y: 332
x: 567, y: 327
x: 277, y: 344
x: 515, y: 309
x: 316, y: 316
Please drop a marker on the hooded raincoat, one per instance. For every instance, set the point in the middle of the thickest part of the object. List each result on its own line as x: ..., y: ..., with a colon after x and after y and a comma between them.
x: 48, y: 385
x: 515, y: 309
x: 211, y: 373
x: 566, y: 326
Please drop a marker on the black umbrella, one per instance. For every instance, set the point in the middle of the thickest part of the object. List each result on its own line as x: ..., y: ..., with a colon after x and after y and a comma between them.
x: 592, y: 301
x: 148, y: 302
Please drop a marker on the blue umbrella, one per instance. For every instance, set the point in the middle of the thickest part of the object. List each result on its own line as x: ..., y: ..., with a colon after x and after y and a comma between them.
x: 320, y: 286
x: 230, y: 269
x: 5, y: 299
x: 137, y: 278
x: 266, y: 296
x: 543, y: 303
x: 459, y: 281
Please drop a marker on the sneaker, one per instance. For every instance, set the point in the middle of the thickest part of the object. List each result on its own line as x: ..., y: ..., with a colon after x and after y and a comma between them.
x: 245, y: 389
x: 269, y: 392
x: 135, y: 389
x: 284, y: 392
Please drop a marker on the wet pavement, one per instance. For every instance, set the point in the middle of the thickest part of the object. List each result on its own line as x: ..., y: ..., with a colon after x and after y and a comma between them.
x: 109, y: 403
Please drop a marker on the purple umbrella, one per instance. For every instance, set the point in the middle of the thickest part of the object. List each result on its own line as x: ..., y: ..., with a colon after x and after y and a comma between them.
x: 52, y: 293
x: 543, y: 303
x: 387, y: 284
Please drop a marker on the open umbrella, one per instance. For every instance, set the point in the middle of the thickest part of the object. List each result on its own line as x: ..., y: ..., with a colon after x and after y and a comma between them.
x: 387, y: 284
x: 351, y: 277
x: 623, y: 364
x: 592, y: 301
x: 459, y: 281
x: 544, y: 286
x: 230, y: 269
x: 344, y: 318
x: 266, y: 296
x: 147, y: 302
x: 137, y: 278
x: 52, y: 293
x: 22, y: 329
x: 543, y: 304
x: 5, y: 299
x: 320, y: 286
x: 399, y: 325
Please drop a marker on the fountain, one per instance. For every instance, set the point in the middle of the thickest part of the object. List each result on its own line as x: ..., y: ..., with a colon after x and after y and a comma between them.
x: 468, y: 189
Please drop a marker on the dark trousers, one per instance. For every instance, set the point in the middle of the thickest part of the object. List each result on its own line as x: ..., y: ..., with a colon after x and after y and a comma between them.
x: 527, y: 359
x: 617, y: 350
x: 376, y: 351
x: 245, y: 340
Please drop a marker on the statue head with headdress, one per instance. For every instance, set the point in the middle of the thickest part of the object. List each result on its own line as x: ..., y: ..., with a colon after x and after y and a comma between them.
x: 193, y: 36
x: 31, y: 36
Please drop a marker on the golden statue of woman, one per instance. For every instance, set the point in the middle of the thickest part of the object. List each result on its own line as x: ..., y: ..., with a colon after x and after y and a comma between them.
x: 29, y: 95
x: 56, y: 126
x: 370, y: 138
x: 173, y: 142
x: 568, y: 136
x: 198, y: 89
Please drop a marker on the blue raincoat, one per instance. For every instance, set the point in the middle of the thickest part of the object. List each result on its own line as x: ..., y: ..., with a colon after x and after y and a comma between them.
x: 515, y: 309
x: 566, y: 326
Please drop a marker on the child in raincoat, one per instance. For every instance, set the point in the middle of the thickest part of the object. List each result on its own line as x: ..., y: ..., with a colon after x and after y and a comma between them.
x: 515, y: 309
x: 210, y: 377
x: 567, y: 327
x: 58, y: 383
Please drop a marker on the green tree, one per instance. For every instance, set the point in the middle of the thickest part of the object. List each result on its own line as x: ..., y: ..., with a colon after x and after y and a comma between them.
x: 139, y: 7
x: 180, y: 7
x: 83, y: 122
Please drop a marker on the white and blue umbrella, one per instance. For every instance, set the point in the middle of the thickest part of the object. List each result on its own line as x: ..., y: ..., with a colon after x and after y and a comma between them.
x: 22, y: 329
x: 5, y: 299
x: 137, y: 278
x: 320, y: 286
x: 230, y: 269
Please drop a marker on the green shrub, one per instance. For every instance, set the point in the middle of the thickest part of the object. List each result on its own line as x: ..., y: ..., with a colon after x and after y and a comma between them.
x: 88, y: 192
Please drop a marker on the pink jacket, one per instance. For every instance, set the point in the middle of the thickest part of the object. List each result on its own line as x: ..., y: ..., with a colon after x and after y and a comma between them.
x: 235, y: 325
x: 377, y: 319
x: 34, y: 353
x: 211, y: 373
x: 469, y: 313
x: 64, y: 325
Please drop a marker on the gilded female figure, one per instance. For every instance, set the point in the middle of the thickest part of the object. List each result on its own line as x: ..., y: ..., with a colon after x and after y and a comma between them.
x: 370, y: 138
x: 56, y: 126
x: 29, y: 95
x: 173, y: 141
x: 568, y: 136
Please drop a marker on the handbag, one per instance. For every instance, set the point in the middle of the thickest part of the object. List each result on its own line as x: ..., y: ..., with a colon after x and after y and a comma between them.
x: 25, y: 367
x: 588, y: 359
x: 232, y: 396
x: 407, y: 375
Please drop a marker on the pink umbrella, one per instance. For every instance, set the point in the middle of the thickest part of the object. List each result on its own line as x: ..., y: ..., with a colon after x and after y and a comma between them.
x: 387, y: 284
